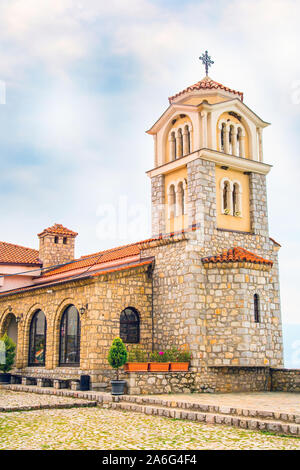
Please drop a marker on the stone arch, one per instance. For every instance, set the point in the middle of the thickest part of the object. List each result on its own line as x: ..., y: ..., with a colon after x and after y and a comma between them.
x: 9, y: 325
x: 25, y: 327
x: 64, y: 304
x: 230, y: 139
x: 170, y: 127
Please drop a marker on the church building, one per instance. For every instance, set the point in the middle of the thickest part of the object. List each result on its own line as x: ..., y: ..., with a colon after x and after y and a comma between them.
x: 207, y: 280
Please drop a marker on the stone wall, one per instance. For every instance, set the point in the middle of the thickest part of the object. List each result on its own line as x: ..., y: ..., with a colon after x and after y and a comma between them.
x: 158, y: 205
x: 107, y: 296
x: 211, y: 380
x: 285, y: 380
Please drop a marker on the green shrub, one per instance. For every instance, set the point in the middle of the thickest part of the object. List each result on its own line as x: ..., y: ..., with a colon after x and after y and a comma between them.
x: 117, y: 355
x: 137, y: 354
x: 10, y: 352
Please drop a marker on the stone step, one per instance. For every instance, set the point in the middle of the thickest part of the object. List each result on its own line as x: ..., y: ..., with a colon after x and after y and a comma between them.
x: 244, y: 422
x: 265, y: 415
x: 52, y: 406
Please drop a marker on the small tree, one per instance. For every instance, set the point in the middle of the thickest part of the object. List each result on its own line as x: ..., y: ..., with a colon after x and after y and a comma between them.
x: 117, y: 355
x: 10, y: 352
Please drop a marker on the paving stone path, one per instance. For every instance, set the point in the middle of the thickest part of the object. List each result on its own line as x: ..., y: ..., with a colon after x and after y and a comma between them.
x: 22, y: 401
x: 98, y: 428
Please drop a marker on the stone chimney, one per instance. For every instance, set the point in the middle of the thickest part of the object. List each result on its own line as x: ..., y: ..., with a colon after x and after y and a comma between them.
x: 57, y: 245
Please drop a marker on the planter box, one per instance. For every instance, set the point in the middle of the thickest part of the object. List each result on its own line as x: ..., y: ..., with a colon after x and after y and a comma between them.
x: 159, y: 366
x: 136, y: 366
x: 179, y: 366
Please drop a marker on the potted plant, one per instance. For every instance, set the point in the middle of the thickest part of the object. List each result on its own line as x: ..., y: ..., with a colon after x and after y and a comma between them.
x: 180, y: 361
x: 117, y: 357
x: 159, y: 361
x: 7, y: 358
x: 137, y: 361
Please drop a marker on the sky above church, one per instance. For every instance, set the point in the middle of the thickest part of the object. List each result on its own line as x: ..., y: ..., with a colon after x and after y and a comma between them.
x: 81, y: 81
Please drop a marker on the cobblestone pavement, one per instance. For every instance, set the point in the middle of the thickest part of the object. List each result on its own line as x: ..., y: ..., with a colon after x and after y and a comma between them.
x: 269, y: 401
x: 97, y: 428
x: 11, y: 400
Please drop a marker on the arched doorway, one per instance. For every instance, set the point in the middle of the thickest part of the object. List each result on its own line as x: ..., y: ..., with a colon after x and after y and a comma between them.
x: 10, y: 327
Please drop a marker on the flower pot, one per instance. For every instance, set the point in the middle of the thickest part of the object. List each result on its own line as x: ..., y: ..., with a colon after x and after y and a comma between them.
x: 159, y: 366
x: 179, y: 366
x: 118, y: 387
x: 136, y: 366
x: 5, y: 378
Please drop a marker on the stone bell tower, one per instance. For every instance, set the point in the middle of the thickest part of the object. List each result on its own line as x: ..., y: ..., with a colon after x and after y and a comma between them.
x: 216, y: 288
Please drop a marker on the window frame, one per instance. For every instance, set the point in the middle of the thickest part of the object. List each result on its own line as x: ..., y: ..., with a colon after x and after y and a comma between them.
x: 61, y: 362
x: 31, y: 343
x: 137, y: 323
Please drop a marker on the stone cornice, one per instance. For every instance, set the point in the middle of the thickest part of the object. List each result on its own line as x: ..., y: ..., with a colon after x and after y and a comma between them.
x: 238, y: 264
x: 220, y: 158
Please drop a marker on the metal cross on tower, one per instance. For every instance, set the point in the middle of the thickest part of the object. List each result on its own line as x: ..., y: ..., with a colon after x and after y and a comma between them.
x: 206, y: 60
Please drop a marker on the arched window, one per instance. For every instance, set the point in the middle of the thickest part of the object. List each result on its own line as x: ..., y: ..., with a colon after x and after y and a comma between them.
x: 186, y: 140
x: 236, y: 199
x: 223, y: 137
x: 171, y: 202
x: 37, y: 339
x: 256, y: 309
x: 226, y: 197
x: 69, y: 351
x: 130, y: 325
x: 173, y: 150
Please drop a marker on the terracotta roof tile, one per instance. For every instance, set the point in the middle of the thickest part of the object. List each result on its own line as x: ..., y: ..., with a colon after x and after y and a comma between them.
x: 81, y: 277
x: 237, y: 254
x: 207, y: 84
x: 16, y: 254
x: 58, y: 229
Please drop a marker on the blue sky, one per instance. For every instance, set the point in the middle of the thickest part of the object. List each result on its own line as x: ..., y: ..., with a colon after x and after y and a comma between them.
x: 85, y: 79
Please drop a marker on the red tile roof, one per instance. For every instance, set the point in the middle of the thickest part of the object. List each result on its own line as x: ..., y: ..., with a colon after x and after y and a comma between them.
x: 111, y: 255
x: 58, y: 229
x: 207, y: 84
x: 16, y: 254
x: 81, y: 276
x: 237, y: 254
x: 96, y: 258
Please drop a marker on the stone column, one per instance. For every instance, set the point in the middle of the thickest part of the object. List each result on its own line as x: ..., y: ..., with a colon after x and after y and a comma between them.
x: 186, y: 144
x: 260, y: 144
x: 242, y: 146
x: 179, y: 143
x: 234, y: 141
x: 226, y: 139
x: 204, y: 128
x: 155, y: 150
x: 172, y: 147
